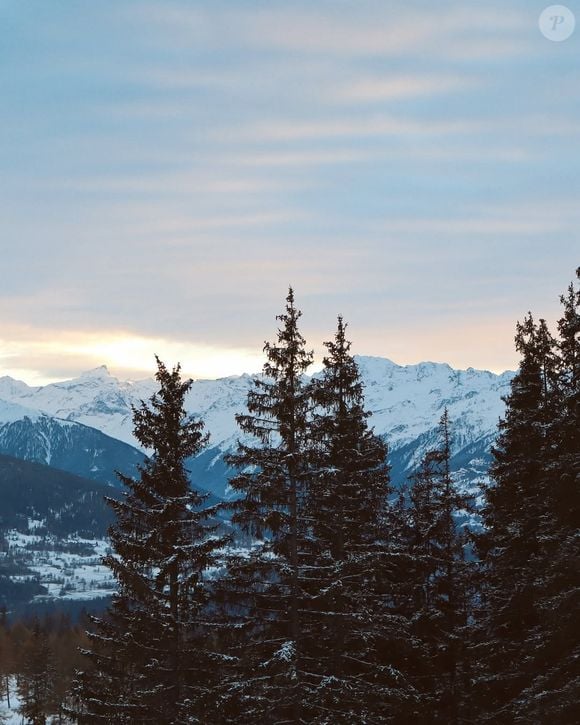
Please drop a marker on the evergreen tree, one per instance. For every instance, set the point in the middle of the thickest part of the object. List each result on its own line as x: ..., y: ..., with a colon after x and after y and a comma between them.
x: 354, y: 638
x: 36, y: 678
x: 435, y: 590
x: 265, y: 597
x: 150, y: 655
x: 6, y: 658
x: 554, y: 652
x: 511, y: 548
x: 351, y: 482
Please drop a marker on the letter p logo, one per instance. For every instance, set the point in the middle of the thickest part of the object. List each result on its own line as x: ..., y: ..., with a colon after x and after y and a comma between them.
x: 557, y: 23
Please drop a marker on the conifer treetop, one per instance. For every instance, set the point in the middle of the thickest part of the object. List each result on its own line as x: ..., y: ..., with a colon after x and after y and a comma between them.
x: 163, y: 424
x: 287, y: 356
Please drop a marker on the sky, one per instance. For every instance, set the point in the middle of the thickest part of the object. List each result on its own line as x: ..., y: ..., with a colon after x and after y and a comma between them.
x: 169, y: 168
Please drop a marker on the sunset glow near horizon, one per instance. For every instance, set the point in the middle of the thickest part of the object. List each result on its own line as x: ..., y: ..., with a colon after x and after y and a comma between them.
x: 130, y: 357
x: 170, y: 168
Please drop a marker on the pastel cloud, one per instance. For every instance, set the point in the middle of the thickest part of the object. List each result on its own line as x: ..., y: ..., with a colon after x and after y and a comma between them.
x: 390, y: 88
x: 167, y: 175
x: 54, y: 354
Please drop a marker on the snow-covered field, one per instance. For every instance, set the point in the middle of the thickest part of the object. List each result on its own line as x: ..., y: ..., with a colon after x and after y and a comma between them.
x: 10, y: 715
x: 68, y: 568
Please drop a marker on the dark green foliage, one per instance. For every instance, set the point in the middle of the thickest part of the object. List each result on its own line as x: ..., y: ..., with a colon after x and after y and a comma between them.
x: 266, y: 587
x: 350, y: 480
x: 510, y: 547
x: 15, y: 592
x: 554, y: 692
x: 529, y: 641
x: 150, y: 656
x: 354, y: 640
x: 315, y: 637
x: 338, y: 606
x: 435, y: 589
x: 40, y: 657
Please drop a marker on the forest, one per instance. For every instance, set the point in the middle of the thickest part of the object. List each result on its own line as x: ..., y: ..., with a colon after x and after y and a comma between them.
x: 325, y: 595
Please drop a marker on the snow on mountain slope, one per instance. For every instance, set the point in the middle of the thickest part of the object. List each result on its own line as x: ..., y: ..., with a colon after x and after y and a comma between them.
x: 406, y: 403
x: 64, y: 444
x: 95, y: 398
x: 11, y: 412
x: 99, y: 400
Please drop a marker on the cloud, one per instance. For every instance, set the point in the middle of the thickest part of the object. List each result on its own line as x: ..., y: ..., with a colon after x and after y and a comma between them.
x: 65, y: 353
x: 178, y: 183
x: 366, y: 30
x: 457, y: 342
x: 299, y: 157
x: 168, y: 174
x: 396, y: 87
x: 475, y: 226
x: 337, y: 127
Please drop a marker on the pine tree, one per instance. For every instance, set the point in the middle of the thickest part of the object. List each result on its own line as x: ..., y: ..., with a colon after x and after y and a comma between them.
x: 150, y: 655
x: 511, y: 547
x: 436, y: 588
x: 37, y: 678
x: 554, y: 690
x: 349, y: 620
x: 352, y: 477
x: 566, y: 425
x: 265, y: 597
x: 6, y: 657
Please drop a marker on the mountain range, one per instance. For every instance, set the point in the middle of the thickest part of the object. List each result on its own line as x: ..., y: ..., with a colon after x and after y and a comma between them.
x: 84, y: 425
x: 61, y: 445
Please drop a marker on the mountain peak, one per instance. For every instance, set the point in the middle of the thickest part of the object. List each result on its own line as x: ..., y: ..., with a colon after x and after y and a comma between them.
x: 101, y: 372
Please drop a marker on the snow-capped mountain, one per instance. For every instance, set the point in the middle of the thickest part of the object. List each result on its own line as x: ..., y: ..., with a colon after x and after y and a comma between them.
x: 69, y: 446
x: 406, y: 403
x: 84, y: 426
x: 95, y: 399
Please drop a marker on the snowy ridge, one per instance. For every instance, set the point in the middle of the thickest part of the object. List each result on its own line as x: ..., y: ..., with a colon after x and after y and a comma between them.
x: 11, y: 412
x: 95, y: 399
x: 404, y: 400
x: 406, y: 403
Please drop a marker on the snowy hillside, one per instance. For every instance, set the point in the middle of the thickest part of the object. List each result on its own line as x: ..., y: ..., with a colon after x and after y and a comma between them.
x: 53, y: 528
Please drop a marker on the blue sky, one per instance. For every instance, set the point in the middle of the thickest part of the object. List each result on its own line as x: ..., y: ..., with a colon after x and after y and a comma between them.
x: 170, y: 167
